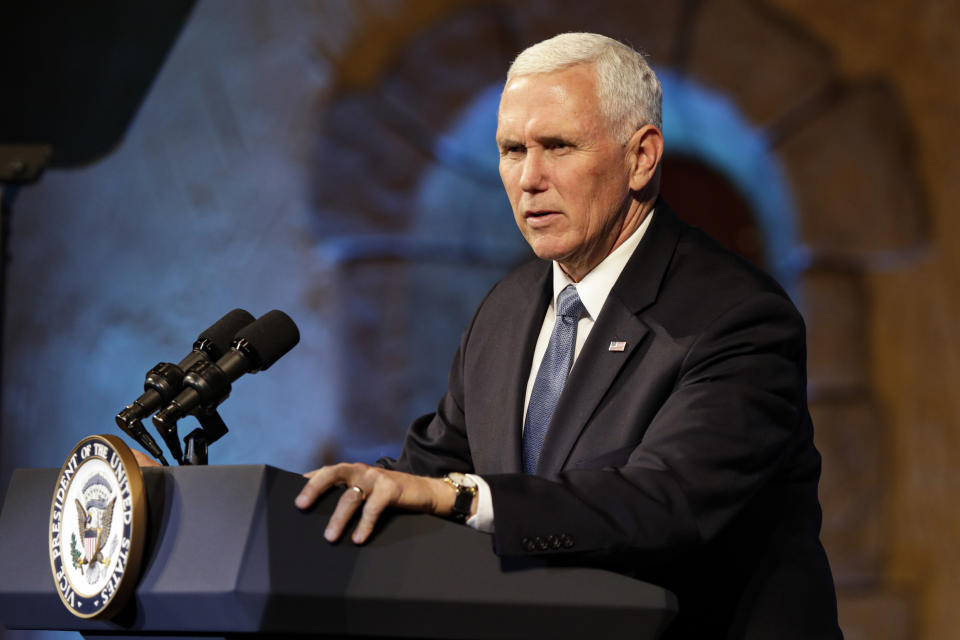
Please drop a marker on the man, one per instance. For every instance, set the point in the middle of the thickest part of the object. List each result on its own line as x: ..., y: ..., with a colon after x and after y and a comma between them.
x: 638, y: 401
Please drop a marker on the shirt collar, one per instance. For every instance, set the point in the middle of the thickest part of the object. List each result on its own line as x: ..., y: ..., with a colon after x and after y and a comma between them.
x: 594, y: 287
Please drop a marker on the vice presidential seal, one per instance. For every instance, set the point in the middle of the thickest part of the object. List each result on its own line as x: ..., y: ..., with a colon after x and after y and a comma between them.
x: 97, y: 527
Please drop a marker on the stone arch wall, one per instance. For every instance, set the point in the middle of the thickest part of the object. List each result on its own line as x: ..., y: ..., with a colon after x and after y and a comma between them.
x: 844, y: 147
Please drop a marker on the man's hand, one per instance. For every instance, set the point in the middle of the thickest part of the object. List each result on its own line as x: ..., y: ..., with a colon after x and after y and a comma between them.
x: 375, y: 489
x: 143, y: 459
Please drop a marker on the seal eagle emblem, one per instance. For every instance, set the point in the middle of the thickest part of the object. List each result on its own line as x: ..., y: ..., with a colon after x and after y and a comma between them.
x: 94, y: 519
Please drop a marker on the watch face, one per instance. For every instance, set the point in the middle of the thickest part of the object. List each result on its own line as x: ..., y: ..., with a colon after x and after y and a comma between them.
x: 462, y: 479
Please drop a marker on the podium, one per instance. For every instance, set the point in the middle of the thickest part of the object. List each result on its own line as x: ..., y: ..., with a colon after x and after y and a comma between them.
x: 228, y: 555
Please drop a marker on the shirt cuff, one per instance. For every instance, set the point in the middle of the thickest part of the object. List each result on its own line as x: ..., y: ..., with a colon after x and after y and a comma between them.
x: 482, y: 520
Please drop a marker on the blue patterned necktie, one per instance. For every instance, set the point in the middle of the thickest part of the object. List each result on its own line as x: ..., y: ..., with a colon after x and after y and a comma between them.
x: 551, y: 376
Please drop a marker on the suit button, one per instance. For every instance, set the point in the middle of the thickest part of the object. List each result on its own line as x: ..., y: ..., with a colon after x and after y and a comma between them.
x: 553, y: 541
x: 527, y: 544
x: 566, y: 541
x: 542, y: 544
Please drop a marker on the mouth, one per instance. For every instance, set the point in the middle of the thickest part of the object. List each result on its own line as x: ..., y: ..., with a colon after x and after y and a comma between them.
x: 539, y: 218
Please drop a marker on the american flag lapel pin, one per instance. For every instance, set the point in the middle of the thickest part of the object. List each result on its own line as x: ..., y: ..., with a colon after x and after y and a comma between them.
x: 617, y: 345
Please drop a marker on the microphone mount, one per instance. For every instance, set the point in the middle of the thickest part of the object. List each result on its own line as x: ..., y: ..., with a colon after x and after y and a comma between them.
x: 207, y: 383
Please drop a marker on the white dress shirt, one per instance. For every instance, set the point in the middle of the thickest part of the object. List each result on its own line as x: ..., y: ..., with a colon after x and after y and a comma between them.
x: 593, y: 290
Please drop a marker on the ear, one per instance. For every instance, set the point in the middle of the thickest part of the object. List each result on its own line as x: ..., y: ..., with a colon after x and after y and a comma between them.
x: 644, y: 151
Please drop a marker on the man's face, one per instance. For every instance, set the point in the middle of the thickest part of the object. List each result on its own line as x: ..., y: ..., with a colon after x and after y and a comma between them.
x: 567, y: 177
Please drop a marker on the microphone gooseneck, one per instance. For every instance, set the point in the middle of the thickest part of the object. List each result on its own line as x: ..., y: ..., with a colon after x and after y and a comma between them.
x: 164, y: 381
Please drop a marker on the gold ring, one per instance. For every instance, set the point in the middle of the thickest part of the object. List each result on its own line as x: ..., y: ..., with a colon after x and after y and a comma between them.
x: 360, y: 492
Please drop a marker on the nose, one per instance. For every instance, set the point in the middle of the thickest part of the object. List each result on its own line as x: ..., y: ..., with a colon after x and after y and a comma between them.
x: 532, y: 176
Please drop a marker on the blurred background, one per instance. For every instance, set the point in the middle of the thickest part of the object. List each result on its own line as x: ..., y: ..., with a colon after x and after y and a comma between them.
x: 335, y: 159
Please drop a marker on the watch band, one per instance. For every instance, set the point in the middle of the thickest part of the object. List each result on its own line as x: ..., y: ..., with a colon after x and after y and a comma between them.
x: 464, y: 499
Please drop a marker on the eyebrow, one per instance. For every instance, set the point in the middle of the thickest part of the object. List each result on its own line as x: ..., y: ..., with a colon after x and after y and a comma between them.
x: 554, y: 140
x: 545, y: 141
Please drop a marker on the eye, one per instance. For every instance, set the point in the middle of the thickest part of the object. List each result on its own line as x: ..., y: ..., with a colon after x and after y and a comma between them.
x: 512, y: 150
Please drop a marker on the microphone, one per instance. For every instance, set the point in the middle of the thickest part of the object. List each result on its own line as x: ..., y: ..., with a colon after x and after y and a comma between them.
x: 165, y: 380
x: 255, y: 348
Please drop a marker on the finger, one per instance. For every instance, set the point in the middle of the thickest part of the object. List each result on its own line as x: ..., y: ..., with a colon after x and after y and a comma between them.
x: 347, y: 505
x: 319, y: 482
x: 375, y: 505
x: 144, y: 460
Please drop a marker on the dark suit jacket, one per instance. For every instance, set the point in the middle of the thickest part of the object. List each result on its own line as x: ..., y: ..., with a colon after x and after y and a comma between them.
x: 687, y: 459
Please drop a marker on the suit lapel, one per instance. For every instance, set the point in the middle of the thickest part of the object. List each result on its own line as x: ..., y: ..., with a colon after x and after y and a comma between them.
x: 514, y: 352
x: 595, y: 370
x: 597, y: 366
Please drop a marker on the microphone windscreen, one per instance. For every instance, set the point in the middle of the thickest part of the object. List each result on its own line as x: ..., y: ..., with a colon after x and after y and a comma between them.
x: 218, y: 337
x: 268, y: 338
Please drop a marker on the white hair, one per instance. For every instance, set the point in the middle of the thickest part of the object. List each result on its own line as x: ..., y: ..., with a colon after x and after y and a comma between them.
x: 627, y: 88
